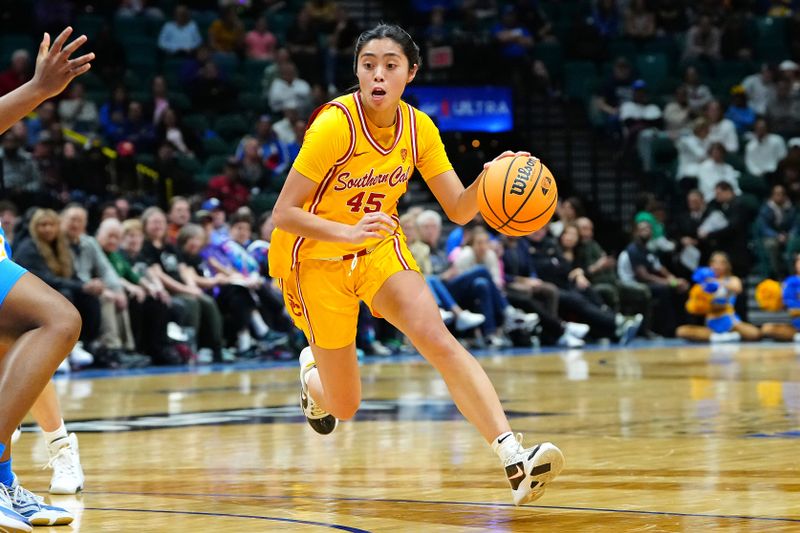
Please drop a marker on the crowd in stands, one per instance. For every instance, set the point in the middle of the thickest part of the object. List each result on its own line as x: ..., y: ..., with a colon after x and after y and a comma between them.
x: 143, y: 193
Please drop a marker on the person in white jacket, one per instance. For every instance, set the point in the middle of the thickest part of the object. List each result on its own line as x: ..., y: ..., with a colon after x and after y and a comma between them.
x: 692, y: 150
x: 715, y: 170
x: 478, y: 251
x: 764, y: 151
x: 722, y: 129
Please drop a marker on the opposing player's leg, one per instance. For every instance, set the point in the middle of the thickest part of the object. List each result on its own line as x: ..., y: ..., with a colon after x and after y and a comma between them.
x: 10, y: 520
x: 528, y: 470
x: 62, y: 447
x: 41, y: 327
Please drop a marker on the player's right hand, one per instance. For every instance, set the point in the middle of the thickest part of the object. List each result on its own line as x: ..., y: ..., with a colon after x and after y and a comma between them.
x: 54, y: 68
x: 371, y: 226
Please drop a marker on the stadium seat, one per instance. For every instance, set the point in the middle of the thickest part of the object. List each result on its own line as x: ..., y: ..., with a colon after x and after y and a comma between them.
x: 654, y: 69
x: 196, y: 122
x: 579, y: 79
x: 214, y: 164
x: 132, y: 28
x: 189, y: 164
x: 622, y: 48
x: 231, y: 126
x: 263, y: 202
x: 770, y: 30
x: 179, y: 101
x: 253, y: 71
x: 215, y: 146
x: 88, y: 24
x: 551, y: 54
x: 253, y: 103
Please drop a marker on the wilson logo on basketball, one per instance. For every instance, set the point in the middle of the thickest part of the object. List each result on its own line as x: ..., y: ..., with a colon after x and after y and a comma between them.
x: 522, y: 178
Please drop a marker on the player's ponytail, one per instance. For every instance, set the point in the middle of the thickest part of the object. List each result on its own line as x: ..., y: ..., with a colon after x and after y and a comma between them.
x: 393, y: 32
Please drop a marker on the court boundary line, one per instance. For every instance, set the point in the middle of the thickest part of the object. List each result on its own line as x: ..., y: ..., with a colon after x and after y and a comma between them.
x: 248, y: 365
x: 341, y: 527
x: 461, y: 503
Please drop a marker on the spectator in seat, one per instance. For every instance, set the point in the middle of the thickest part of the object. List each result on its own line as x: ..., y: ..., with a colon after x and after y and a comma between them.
x: 116, y: 342
x: 17, y: 73
x: 514, y: 39
x: 617, y: 91
x: 576, y: 298
x: 692, y: 151
x: 764, y: 151
x: 760, y: 89
x: 199, y: 311
x: 228, y: 187
x: 78, y: 113
x: 774, y: 224
x: 260, y: 42
x: 179, y: 215
x: 668, y: 291
x: 211, y: 92
x: 640, y: 22
x: 722, y: 130
x: 605, y: 19
x: 783, y: 111
x: 601, y: 270
x: 689, y: 251
x: 729, y: 235
x: 739, y: 112
x: 678, y: 114
x: 20, y: 171
x: 180, y: 35
x: 715, y: 170
x: 703, y: 41
x: 698, y: 93
x: 288, y: 90
x: 568, y: 211
x: 149, y: 314
x: 226, y: 34
x: 527, y: 291
x: 46, y: 254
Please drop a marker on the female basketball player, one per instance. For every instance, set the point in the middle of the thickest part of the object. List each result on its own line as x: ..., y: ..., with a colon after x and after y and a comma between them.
x: 338, y: 241
x: 722, y: 323
x: 40, y: 325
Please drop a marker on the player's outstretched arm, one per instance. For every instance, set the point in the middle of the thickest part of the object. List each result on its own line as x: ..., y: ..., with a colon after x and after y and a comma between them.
x: 461, y: 204
x: 54, y: 70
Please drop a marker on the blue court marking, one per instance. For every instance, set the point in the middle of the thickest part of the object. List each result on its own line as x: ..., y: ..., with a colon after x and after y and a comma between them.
x: 443, y: 502
x: 229, y: 515
x: 399, y: 358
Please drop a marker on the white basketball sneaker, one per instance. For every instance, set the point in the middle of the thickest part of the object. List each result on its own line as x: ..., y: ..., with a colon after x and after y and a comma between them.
x: 320, y: 421
x: 530, y: 470
x: 35, y: 510
x: 65, y: 461
x: 10, y: 520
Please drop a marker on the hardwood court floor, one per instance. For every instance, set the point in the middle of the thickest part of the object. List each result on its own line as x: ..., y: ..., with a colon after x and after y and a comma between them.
x: 656, y: 439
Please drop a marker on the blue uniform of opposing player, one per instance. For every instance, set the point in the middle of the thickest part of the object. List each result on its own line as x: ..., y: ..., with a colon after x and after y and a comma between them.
x: 38, y: 326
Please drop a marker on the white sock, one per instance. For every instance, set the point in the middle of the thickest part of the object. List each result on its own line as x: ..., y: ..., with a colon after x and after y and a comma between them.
x: 505, y: 446
x: 259, y: 326
x: 60, y: 433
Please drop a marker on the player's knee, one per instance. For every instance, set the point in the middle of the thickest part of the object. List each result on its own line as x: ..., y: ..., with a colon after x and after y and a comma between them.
x: 345, y: 408
x: 433, y: 340
x: 66, y: 325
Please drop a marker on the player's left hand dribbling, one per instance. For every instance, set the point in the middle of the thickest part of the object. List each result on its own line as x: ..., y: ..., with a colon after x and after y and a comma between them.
x: 54, y: 68
x: 507, y: 153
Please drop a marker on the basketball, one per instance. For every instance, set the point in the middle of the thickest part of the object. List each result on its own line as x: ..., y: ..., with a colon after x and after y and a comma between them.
x: 517, y: 196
